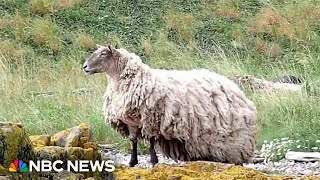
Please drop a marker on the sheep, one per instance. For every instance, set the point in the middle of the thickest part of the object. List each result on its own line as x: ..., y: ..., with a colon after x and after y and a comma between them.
x: 190, y: 114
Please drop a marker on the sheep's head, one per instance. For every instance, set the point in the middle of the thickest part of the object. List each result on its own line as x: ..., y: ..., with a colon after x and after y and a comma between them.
x: 102, y: 60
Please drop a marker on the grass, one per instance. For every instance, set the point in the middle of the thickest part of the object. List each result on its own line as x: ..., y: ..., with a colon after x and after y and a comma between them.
x: 44, y: 43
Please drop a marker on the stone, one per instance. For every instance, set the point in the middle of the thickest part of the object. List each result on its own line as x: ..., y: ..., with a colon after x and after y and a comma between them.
x: 76, y: 143
x: 73, y: 137
x: 315, y: 164
x: 76, y: 153
x: 303, y: 156
x: 106, y: 146
x: 4, y: 178
x: 40, y: 140
x: 92, y: 145
x: 14, y: 145
x: 65, y: 175
x: 255, y: 84
x: 198, y: 170
x: 191, y: 170
x: 277, y: 164
x: 51, y: 153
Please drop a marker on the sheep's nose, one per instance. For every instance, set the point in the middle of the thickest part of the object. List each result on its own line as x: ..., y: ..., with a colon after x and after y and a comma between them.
x: 84, y: 66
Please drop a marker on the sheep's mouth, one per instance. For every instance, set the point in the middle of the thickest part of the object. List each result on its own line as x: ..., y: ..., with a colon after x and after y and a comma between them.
x: 89, y: 72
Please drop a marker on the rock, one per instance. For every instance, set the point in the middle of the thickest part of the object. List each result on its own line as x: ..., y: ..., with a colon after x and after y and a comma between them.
x: 288, y: 79
x: 78, y: 153
x: 199, y: 170
x: 308, y: 172
x: 315, y: 164
x: 268, y: 87
x: 90, y: 145
x: 277, y: 164
x: 258, y: 160
x: 303, y: 156
x: 51, y: 153
x: 40, y: 140
x: 106, y: 146
x: 76, y: 143
x: 4, y: 178
x: 65, y: 175
x: 73, y: 137
x: 14, y: 145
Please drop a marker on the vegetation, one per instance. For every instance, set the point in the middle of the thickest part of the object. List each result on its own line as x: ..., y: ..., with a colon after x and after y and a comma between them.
x: 44, y: 43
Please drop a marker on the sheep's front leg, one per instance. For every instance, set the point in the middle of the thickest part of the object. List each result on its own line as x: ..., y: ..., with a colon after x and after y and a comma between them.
x: 134, y: 143
x: 134, y: 153
x: 152, y: 152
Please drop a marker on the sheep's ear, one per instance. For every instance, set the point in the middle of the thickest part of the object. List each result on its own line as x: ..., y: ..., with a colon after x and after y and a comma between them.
x: 110, y: 48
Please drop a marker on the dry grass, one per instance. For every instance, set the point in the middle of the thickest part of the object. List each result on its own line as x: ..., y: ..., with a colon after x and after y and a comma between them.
x: 65, y: 4
x: 184, y: 24
x: 147, y: 46
x: 41, y: 7
x: 268, y: 49
x: 229, y: 13
x: 227, y: 9
x: 55, y: 44
x: 293, y: 22
x: 84, y: 40
x: 13, y: 21
x: 5, y: 22
x: 10, y: 50
x: 270, y: 21
x: 44, y: 33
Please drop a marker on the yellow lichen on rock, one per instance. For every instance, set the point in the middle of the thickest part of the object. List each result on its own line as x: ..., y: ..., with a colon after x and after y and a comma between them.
x: 76, y: 153
x: 195, y: 171
x: 14, y: 144
x: 51, y: 153
x: 76, y: 143
x: 66, y: 138
x: 92, y: 145
x: 40, y: 140
x: 73, y: 137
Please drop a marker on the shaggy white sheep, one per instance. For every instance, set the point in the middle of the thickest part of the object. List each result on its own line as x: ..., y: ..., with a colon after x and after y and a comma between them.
x: 192, y: 115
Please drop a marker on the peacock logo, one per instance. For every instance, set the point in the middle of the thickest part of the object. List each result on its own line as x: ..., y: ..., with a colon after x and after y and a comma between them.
x: 18, y: 166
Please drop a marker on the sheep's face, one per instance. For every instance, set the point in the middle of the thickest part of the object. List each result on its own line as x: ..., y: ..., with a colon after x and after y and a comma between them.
x: 102, y: 60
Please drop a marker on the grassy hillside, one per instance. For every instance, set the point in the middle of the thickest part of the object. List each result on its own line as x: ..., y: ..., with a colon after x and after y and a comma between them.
x: 43, y: 44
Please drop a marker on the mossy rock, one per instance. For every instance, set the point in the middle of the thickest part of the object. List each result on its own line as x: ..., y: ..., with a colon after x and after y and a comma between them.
x: 51, y: 153
x: 196, y: 171
x: 14, y: 144
x: 73, y: 137
x: 76, y: 143
x: 65, y: 175
x: 4, y: 178
x: 40, y: 140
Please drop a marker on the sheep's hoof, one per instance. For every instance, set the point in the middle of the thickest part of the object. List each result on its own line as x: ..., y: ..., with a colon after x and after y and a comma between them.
x: 238, y: 164
x: 133, y: 163
x: 154, y: 161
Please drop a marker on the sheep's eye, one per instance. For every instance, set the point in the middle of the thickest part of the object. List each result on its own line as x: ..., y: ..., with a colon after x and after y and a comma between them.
x: 103, y: 53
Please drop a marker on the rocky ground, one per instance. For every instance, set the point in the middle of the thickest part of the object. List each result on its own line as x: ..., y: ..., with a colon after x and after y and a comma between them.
x: 78, y: 143
x: 284, y: 167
